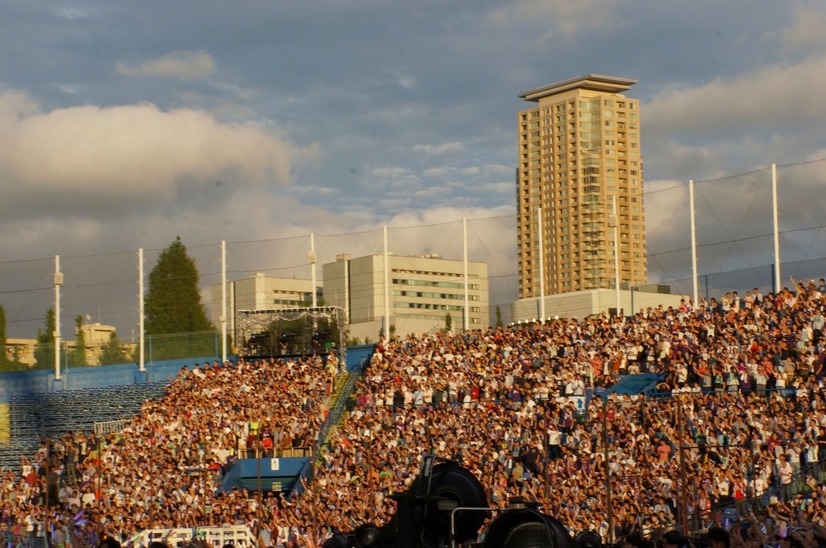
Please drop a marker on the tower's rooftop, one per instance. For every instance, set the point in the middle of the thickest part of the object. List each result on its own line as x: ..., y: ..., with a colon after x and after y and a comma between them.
x: 595, y: 82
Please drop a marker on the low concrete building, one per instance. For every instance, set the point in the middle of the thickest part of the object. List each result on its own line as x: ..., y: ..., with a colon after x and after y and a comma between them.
x: 95, y: 336
x: 420, y: 293
x: 21, y: 350
x: 579, y: 304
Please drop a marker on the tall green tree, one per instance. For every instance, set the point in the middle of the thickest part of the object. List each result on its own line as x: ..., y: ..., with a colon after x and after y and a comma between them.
x: 173, y: 302
x: 44, y: 348
x: 113, y: 352
x: 78, y: 357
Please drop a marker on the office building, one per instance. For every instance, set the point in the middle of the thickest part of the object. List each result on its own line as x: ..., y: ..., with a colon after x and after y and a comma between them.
x: 420, y: 294
x: 579, y: 155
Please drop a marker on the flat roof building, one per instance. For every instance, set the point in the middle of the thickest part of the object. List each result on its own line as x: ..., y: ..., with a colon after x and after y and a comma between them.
x: 422, y: 291
x: 579, y: 157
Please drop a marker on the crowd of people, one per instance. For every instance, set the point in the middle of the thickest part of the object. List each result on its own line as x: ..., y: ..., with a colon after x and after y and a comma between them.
x: 735, y: 431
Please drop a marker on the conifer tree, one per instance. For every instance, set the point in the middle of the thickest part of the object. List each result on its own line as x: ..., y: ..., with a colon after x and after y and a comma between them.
x: 44, y: 349
x: 173, y: 301
x: 112, y: 352
x: 78, y: 357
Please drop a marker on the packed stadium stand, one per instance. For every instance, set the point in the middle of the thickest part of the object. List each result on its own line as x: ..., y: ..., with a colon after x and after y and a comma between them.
x: 728, y: 429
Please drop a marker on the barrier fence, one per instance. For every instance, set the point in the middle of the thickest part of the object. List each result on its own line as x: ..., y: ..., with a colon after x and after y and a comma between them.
x: 735, y: 230
x: 734, y: 219
x: 183, y: 536
x: 102, y: 428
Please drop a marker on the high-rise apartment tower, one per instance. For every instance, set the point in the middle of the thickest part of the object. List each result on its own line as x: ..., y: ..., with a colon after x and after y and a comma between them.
x: 579, y: 154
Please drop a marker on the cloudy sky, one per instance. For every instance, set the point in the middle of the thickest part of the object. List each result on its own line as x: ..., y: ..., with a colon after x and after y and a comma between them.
x: 124, y: 124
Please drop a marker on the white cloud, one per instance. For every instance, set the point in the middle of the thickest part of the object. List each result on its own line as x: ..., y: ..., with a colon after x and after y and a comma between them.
x: 773, y: 96
x: 506, y: 189
x: 805, y: 34
x: 128, y: 158
x: 312, y: 190
x: 568, y: 18
x: 394, y: 178
x: 74, y: 13
x: 390, y: 172
x: 439, y: 149
x: 407, y: 82
x: 186, y: 65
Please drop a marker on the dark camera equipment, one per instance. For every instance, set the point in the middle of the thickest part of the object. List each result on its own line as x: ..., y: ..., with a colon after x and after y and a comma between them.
x: 523, y: 526
x: 423, y: 516
x: 446, y: 506
x: 676, y: 539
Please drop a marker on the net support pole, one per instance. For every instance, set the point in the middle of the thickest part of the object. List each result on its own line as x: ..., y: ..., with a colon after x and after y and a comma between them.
x: 58, y: 281
x: 694, y: 280
x: 223, y: 301
x: 466, y: 318
x: 141, y: 314
x: 776, y: 230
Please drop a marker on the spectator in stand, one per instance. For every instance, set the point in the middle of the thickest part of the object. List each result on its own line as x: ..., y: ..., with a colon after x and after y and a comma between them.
x: 503, y: 402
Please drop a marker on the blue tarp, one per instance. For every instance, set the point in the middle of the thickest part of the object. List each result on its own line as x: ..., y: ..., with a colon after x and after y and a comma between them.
x: 359, y: 356
x: 635, y: 384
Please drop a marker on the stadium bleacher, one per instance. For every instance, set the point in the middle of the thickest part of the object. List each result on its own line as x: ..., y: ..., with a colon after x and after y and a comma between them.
x: 712, y: 443
x: 48, y: 415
